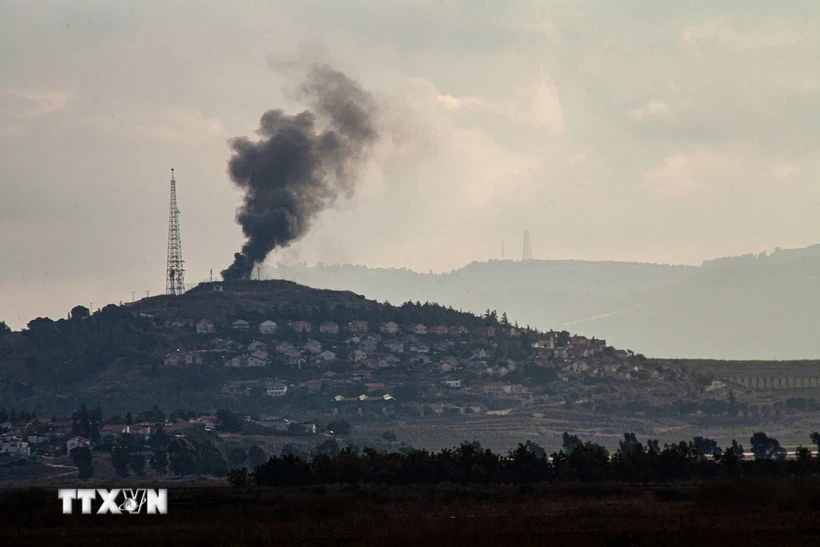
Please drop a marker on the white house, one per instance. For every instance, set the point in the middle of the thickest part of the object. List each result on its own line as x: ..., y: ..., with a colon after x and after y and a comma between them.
x: 294, y: 357
x: 313, y: 346
x: 452, y: 383
x: 284, y: 347
x: 253, y: 346
x: 75, y: 442
x: 418, y: 329
x: 357, y: 326
x: 389, y: 328
x: 369, y: 344
x: 394, y: 346
x: 238, y: 361
x: 439, y: 329
x: 204, y: 326
x: 276, y: 389
x: 260, y: 354
x: 194, y: 358
x: 300, y: 326
x: 254, y: 361
x: 240, y: 324
x: 329, y: 327
x: 445, y: 366
x: 174, y: 359
x: 14, y: 445
x: 359, y: 355
x: 267, y: 327
x: 327, y: 355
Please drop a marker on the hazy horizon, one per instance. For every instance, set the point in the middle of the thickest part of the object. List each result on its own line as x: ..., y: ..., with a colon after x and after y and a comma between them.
x: 57, y: 310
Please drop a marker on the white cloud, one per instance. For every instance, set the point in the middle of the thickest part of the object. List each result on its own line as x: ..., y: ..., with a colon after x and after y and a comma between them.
x: 545, y: 102
x: 783, y: 171
x: 656, y: 108
x: 30, y: 104
x: 683, y: 173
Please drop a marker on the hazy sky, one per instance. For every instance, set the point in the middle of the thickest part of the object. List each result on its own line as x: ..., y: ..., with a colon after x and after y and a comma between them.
x: 611, y: 130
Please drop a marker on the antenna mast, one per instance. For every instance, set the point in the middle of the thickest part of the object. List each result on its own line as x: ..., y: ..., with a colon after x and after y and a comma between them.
x: 175, y: 272
x: 527, y: 247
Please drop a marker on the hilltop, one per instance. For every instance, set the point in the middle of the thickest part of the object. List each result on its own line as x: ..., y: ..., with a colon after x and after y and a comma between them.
x: 290, y: 355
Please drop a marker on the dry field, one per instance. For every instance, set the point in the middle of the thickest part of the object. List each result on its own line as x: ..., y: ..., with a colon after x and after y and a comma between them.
x: 744, y: 513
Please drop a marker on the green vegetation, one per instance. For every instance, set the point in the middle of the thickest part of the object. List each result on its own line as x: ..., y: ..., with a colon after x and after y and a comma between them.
x: 699, y: 459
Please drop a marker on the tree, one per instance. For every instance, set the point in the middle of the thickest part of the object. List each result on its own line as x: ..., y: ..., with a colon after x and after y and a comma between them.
x: 159, y: 440
x: 570, y: 442
x: 237, y: 456
x: 228, y: 421
x: 738, y: 449
x: 328, y: 447
x: 153, y: 415
x: 766, y: 448
x: 4, y: 329
x: 239, y: 478
x: 159, y: 462
x: 815, y: 438
x: 707, y: 447
x: 79, y: 312
x: 83, y: 459
x: 138, y: 464
x: 339, y: 427
x: 535, y: 449
x: 256, y: 456
x: 183, y: 457
x: 121, y: 458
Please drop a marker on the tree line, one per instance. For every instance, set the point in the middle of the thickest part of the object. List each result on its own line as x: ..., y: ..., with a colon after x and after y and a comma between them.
x: 633, y: 461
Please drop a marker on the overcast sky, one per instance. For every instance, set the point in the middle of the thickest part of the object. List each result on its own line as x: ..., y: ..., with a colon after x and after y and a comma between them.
x: 629, y: 130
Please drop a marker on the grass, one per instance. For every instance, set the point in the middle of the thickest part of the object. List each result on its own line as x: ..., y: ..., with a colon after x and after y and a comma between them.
x: 744, y: 512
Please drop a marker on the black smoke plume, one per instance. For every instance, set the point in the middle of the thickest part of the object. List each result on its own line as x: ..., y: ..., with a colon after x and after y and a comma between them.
x: 295, y: 170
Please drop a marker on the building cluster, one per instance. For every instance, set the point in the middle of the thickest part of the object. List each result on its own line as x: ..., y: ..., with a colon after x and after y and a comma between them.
x: 359, y: 365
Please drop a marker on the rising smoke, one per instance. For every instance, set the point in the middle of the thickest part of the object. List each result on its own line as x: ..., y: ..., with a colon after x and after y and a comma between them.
x: 295, y: 171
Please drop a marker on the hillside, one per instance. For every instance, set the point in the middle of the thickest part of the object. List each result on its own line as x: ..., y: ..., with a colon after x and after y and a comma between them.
x: 750, y: 307
x: 291, y: 354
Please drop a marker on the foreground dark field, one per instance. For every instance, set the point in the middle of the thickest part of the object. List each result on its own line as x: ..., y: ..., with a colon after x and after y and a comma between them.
x: 744, y: 512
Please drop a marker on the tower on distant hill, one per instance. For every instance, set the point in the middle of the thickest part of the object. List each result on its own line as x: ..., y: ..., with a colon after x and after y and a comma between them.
x: 175, y: 272
x: 527, y: 247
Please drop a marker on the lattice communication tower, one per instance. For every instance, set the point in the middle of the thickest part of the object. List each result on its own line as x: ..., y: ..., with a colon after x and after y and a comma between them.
x: 175, y: 271
x: 527, y: 246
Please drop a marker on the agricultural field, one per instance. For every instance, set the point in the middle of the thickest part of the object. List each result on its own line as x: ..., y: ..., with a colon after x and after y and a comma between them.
x: 757, y: 375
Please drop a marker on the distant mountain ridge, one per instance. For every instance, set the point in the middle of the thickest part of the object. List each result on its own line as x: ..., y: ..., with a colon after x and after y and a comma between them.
x: 764, y: 306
